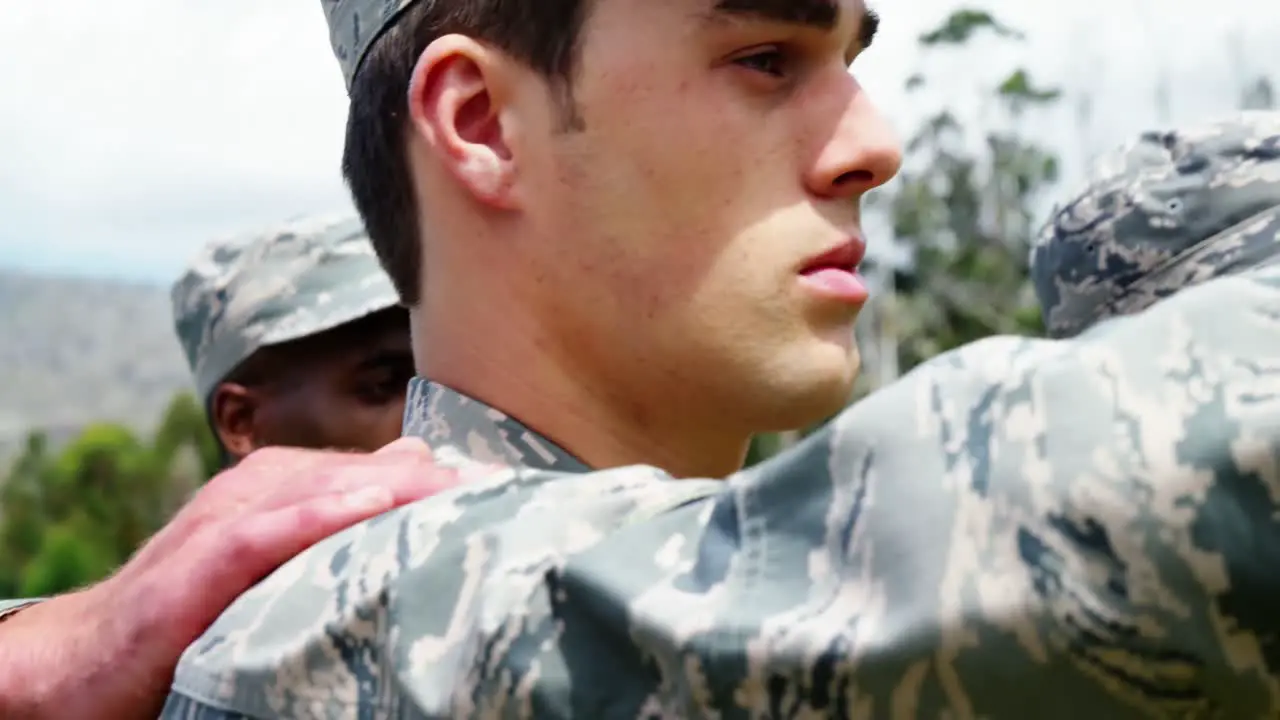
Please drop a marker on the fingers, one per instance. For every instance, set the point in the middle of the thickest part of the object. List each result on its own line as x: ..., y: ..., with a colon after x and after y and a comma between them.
x: 221, y: 562
x: 268, y: 466
x: 270, y: 460
x: 406, y: 472
x: 254, y: 544
x: 239, y: 554
x: 258, y: 516
x: 407, y: 484
x: 277, y: 478
x: 406, y: 446
x: 262, y: 542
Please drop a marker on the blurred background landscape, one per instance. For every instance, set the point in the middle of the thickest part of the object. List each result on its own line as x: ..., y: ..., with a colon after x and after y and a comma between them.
x: 134, y: 132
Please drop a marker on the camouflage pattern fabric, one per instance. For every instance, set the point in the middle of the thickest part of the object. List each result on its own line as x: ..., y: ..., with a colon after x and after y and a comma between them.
x: 290, y: 282
x: 354, y: 25
x: 451, y: 422
x: 1170, y: 210
x: 1018, y: 528
x: 8, y: 608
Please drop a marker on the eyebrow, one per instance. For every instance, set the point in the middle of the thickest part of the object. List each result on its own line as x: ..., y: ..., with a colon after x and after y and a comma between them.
x: 820, y: 14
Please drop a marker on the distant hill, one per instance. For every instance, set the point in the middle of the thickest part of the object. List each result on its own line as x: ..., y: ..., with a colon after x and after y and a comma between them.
x: 75, y: 351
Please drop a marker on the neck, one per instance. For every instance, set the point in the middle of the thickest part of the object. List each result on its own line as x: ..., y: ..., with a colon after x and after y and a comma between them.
x: 489, y: 350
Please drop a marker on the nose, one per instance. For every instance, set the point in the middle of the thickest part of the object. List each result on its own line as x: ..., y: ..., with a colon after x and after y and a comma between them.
x: 862, y: 151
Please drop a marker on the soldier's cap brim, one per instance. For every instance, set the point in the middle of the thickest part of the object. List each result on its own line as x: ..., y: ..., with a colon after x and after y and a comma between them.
x: 350, y: 302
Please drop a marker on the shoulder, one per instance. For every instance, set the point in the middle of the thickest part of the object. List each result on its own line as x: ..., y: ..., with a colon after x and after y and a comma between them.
x: 1153, y: 374
x: 1138, y: 432
x: 331, y: 626
x: 1110, y: 498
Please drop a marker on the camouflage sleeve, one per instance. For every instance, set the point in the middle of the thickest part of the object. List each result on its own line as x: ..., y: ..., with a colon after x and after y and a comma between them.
x: 191, y: 709
x: 1017, y: 526
x: 8, y: 608
x: 188, y: 708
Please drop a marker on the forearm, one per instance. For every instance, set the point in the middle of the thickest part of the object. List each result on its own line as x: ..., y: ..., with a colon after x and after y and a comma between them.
x: 29, y: 661
x: 53, y: 657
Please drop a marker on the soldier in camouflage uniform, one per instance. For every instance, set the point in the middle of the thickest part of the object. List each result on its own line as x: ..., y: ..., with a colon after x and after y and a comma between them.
x: 1019, y: 528
x: 295, y: 338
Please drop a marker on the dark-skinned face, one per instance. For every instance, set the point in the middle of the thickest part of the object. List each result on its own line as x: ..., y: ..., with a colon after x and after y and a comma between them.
x: 343, y: 389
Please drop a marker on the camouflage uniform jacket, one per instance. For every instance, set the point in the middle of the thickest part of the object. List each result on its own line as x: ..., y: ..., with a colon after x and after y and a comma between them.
x: 1017, y: 529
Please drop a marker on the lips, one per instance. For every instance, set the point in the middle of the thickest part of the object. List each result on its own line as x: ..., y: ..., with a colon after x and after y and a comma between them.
x: 834, y: 273
x: 845, y: 256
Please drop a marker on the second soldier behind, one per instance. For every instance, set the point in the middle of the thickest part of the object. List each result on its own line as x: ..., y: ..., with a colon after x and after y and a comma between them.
x: 295, y: 337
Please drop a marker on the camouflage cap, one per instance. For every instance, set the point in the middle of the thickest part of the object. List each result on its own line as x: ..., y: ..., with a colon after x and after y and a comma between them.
x: 354, y: 25
x: 1167, y: 211
x: 295, y: 280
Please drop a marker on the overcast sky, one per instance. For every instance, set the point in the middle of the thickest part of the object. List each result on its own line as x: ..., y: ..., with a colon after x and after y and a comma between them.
x: 132, y: 131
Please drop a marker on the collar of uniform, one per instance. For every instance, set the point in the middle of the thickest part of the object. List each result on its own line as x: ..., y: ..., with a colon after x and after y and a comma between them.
x: 452, y: 422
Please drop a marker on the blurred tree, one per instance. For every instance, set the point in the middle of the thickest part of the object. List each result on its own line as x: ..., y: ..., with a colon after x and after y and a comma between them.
x: 184, y: 425
x: 22, y: 513
x: 185, y: 447
x: 764, y: 446
x: 966, y: 212
x: 1259, y: 94
x: 68, y: 559
x: 112, y: 485
x: 69, y: 519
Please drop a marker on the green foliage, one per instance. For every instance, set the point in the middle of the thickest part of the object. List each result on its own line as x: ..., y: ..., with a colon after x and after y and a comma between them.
x: 962, y: 25
x: 965, y: 211
x: 70, y: 518
x: 67, y: 559
x: 184, y: 426
x: 763, y: 447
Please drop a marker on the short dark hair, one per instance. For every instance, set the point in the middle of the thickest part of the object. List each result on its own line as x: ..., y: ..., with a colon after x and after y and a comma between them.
x: 375, y: 163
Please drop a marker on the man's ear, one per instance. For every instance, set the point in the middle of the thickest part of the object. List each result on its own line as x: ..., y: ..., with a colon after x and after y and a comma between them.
x: 457, y: 95
x: 233, y: 410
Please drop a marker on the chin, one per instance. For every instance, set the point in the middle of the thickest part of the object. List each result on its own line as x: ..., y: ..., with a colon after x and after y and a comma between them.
x: 823, y: 401
x: 812, y: 393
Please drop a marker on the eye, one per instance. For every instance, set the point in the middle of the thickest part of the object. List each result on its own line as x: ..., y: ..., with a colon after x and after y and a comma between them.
x: 769, y: 61
x: 378, y: 391
x: 382, y: 383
